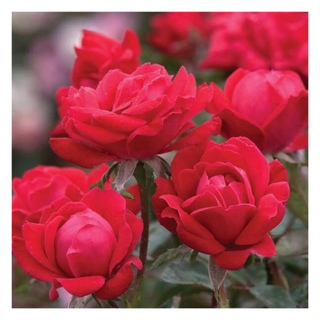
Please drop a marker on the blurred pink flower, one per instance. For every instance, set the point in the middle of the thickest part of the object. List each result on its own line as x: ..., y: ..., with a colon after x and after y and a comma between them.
x: 31, y: 114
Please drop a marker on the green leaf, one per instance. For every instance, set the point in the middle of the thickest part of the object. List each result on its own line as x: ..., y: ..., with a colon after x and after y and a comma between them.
x: 298, y: 200
x: 158, y: 237
x: 251, y: 275
x: 300, y: 294
x: 293, y: 243
x: 127, y: 194
x: 180, y: 272
x: 181, y: 290
x: 170, y: 255
x: 273, y: 296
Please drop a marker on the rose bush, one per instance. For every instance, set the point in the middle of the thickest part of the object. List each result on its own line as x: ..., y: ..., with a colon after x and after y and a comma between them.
x: 223, y: 200
x: 84, y: 247
x: 258, y: 40
x: 42, y: 185
x: 268, y: 107
x: 133, y: 116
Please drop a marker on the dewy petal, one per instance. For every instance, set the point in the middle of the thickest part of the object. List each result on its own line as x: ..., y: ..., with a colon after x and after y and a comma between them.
x: 79, y: 153
x: 121, y: 281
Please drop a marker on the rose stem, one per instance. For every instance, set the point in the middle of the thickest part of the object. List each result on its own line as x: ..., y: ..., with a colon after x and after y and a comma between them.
x: 144, y: 176
x: 113, y: 304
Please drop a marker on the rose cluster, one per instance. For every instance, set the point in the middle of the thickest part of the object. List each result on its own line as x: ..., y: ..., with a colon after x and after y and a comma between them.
x: 72, y: 229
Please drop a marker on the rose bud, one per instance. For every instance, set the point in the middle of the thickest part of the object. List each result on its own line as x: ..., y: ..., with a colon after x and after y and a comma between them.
x: 223, y: 200
x: 84, y: 247
x: 268, y: 107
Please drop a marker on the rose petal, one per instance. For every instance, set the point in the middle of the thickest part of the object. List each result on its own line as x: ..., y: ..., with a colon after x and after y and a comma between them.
x: 121, y: 281
x: 197, y: 136
x: 90, y: 255
x: 78, y: 287
x: 109, y: 204
x: 270, y: 213
x: 29, y: 264
x: 79, y: 153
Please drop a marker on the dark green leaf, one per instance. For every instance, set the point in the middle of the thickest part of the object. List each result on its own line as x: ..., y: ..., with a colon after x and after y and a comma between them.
x: 300, y: 294
x: 169, y: 255
x: 251, y: 275
x: 293, y: 243
x: 180, y: 272
x: 158, y: 237
x: 273, y: 296
x: 298, y: 200
x: 181, y: 290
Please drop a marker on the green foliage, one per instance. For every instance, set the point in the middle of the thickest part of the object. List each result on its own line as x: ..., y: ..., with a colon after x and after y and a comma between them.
x: 169, y: 255
x: 273, y: 296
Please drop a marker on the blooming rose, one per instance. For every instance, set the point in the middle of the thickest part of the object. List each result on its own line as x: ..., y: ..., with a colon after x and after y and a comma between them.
x: 179, y: 34
x: 268, y: 107
x: 259, y: 40
x: 84, y: 247
x: 133, y: 116
x: 223, y: 200
x: 98, y: 54
x: 42, y: 185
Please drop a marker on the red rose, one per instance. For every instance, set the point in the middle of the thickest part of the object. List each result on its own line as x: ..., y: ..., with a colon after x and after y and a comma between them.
x: 223, y: 200
x: 42, y: 185
x: 259, y: 40
x: 133, y: 116
x: 268, y: 107
x: 179, y: 34
x: 98, y: 54
x: 84, y: 247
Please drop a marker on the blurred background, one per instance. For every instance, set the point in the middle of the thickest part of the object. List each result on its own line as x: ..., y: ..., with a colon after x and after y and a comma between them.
x: 42, y: 59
